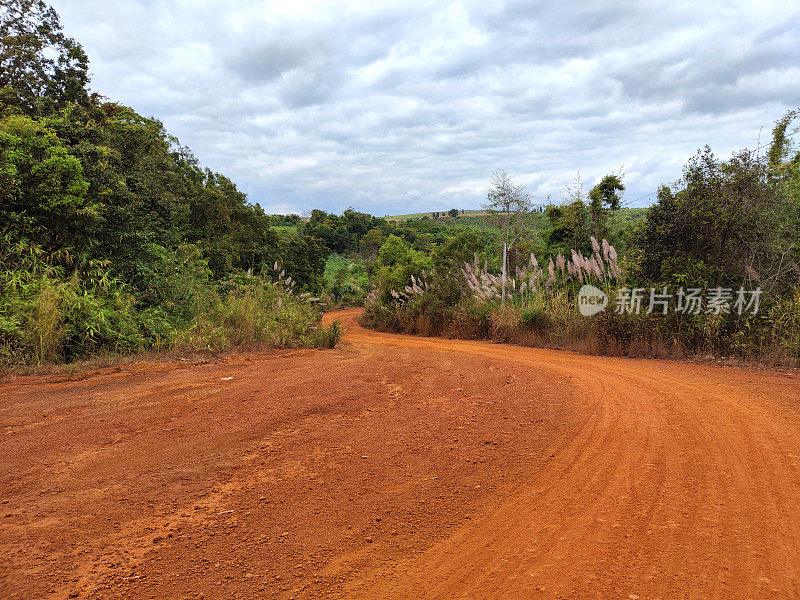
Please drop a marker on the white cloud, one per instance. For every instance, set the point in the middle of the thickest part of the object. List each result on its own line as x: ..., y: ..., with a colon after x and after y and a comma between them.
x: 395, y: 108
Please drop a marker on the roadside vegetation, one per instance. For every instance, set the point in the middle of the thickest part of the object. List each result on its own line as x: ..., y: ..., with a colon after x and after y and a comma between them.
x: 727, y: 225
x: 113, y: 239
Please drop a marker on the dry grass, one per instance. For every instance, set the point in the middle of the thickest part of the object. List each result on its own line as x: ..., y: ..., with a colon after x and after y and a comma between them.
x: 506, y: 322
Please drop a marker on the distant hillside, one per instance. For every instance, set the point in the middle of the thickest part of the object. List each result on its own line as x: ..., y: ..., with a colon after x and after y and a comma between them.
x: 535, y: 221
x: 442, y: 215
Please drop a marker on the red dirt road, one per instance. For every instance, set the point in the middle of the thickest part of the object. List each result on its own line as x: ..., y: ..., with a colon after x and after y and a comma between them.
x: 402, y: 467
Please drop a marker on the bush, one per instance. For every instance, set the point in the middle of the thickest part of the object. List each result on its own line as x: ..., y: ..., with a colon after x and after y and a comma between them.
x: 548, y: 316
x: 535, y: 318
x: 506, y: 320
x: 50, y: 315
x: 327, y: 337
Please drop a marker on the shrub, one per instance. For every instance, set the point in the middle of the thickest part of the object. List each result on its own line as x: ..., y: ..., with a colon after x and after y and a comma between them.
x: 505, y: 321
x: 327, y: 337
x: 48, y: 315
x: 542, y: 310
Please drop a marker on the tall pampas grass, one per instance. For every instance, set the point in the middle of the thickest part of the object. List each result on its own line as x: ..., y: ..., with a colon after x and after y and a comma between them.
x: 600, y: 267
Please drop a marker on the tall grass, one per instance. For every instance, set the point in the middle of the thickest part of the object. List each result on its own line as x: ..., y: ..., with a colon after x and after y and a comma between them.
x: 541, y: 310
x: 60, y: 308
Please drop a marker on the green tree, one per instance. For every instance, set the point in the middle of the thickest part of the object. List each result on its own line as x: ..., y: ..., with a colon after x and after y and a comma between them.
x: 604, y: 196
x: 395, y: 251
x: 304, y: 260
x: 397, y: 262
x: 780, y: 154
x: 724, y: 224
x: 43, y: 194
x: 449, y: 258
x: 569, y: 227
x: 41, y: 69
x: 371, y: 243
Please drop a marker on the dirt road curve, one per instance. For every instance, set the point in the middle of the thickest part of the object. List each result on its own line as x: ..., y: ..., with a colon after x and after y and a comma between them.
x: 401, y: 467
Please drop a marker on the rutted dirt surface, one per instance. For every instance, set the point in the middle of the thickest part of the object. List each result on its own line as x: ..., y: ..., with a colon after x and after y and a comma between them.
x: 402, y: 467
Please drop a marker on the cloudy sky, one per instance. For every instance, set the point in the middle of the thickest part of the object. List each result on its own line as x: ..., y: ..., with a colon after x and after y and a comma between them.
x: 403, y: 107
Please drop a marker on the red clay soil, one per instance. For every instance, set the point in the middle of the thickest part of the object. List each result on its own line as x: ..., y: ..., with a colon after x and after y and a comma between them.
x: 402, y: 467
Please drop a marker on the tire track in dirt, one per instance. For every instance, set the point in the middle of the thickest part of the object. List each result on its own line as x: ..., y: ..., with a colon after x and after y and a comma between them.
x: 678, y: 487
x: 402, y: 467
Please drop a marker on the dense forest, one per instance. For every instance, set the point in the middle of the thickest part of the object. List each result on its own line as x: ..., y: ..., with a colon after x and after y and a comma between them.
x: 113, y: 239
